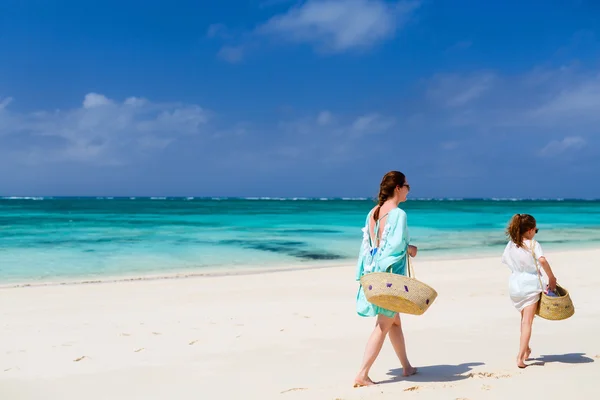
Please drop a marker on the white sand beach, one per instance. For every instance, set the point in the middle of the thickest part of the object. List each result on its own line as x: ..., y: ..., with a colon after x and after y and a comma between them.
x: 293, y: 335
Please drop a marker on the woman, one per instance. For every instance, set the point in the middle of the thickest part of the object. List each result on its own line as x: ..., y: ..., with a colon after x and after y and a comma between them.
x: 522, y: 255
x: 384, y: 248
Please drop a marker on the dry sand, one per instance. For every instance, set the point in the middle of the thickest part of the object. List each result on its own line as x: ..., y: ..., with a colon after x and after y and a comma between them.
x: 293, y: 335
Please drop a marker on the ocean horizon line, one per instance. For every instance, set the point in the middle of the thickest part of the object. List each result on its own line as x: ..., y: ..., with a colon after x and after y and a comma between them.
x: 293, y: 198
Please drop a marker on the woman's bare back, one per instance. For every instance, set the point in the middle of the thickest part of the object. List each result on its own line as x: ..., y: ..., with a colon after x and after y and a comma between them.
x: 383, y: 215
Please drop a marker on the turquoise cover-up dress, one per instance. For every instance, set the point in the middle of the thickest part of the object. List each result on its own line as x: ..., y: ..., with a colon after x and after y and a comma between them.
x: 389, y: 256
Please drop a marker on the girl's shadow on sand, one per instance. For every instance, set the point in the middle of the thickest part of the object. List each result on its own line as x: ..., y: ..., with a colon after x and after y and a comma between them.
x: 434, y: 373
x: 570, y: 358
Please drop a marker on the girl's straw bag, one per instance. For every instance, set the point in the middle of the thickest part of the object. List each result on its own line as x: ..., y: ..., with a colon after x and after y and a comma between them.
x: 550, y: 307
x: 399, y: 293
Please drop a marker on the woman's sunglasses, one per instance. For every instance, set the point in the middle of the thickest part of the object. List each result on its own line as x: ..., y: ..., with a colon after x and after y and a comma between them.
x: 537, y: 230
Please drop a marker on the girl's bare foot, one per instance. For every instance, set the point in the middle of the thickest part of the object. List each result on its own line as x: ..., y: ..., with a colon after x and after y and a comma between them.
x: 409, y: 371
x: 521, y: 360
x: 358, y: 382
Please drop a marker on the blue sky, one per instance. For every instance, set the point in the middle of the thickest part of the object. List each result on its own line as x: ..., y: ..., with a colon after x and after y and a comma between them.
x: 291, y: 98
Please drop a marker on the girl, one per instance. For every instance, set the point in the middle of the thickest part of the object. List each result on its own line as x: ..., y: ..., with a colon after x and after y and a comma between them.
x: 384, y: 248
x: 522, y: 255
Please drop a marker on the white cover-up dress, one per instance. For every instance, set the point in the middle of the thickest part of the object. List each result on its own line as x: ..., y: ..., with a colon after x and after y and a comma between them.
x: 523, y: 284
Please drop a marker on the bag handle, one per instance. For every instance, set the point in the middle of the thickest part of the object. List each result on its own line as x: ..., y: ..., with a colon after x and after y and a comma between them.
x: 539, y: 273
x: 410, y: 267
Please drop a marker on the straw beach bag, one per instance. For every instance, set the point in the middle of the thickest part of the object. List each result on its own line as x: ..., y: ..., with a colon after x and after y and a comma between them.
x: 399, y: 293
x: 550, y: 307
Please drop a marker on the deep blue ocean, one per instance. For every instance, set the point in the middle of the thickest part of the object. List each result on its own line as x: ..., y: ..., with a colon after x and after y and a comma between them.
x: 59, y: 239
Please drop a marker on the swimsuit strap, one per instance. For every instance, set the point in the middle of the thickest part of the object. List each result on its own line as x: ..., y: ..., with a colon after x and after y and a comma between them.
x: 376, y: 229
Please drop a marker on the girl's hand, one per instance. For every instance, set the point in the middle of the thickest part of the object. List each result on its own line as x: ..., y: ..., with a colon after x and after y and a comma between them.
x: 412, y: 250
x: 549, y: 273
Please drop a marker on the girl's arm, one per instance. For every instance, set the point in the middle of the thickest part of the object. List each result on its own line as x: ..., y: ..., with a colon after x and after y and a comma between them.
x: 551, y: 278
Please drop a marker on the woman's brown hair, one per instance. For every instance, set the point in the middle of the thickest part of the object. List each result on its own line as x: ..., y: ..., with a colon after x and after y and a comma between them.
x: 386, y: 188
x: 518, y: 225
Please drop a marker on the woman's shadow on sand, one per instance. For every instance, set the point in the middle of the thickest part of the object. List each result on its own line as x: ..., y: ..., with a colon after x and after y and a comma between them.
x: 434, y: 373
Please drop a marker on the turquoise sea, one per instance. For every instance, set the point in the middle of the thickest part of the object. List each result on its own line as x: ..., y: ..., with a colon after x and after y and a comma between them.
x: 61, y: 239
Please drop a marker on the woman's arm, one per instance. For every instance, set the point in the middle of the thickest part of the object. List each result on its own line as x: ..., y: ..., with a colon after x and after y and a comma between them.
x: 412, y: 250
x: 551, y: 278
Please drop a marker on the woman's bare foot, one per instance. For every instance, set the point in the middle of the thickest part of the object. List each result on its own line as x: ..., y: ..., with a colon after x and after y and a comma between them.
x: 409, y: 371
x: 358, y: 382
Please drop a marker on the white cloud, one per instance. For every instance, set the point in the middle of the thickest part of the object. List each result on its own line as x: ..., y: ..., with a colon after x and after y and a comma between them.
x: 324, y: 118
x: 135, y: 101
x: 231, y: 54
x: 340, y: 25
x: 458, y: 90
x: 372, y: 123
x: 557, y: 147
x: 329, y: 138
x: 576, y: 100
x: 92, y: 100
x: 4, y: 102
x: 102, y: 131
x: 217, y: 30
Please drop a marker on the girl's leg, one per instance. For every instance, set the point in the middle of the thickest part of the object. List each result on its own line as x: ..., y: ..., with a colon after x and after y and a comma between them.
x: 374, y: 344
x: 397, y: 339
x: 528, y: 348
x: 527, y: 315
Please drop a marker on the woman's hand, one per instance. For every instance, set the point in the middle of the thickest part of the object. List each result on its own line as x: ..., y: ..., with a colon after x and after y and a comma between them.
x: 552, y: 283
x: 412, y: 250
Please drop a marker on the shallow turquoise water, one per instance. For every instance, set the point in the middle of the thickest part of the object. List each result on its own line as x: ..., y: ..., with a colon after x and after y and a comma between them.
x: 63, y: 238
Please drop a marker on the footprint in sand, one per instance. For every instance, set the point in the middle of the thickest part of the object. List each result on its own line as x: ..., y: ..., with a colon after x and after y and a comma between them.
x: 487, y: 375
x: 79, y: 359
x: 412, y: 388
x: 138, y: 350
x: 156, y: 333
x: 192, y: 342
x: 293, y: 390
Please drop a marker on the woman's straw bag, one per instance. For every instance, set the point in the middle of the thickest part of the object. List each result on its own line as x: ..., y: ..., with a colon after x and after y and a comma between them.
x: 550, y: 307
x: 399, y: 293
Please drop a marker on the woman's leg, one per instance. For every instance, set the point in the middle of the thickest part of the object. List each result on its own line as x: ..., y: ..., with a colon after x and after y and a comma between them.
x: 382, y: 327
x: 527, y: 315
x: 397, y: 339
